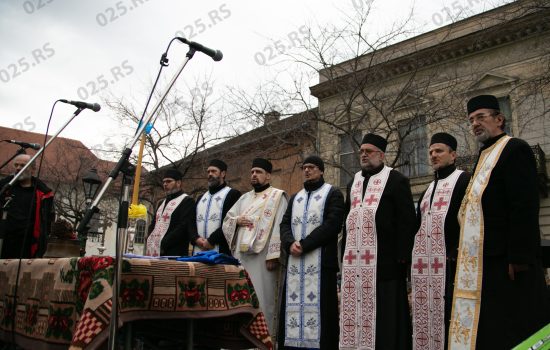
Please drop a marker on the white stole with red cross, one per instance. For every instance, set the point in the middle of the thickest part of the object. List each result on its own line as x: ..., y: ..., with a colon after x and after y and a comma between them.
x: 303, y: 277
x: 358, y: 303
x: 469, y: 265
x: 428, y: 266
x: 162, y: 222
x: 210, y: 212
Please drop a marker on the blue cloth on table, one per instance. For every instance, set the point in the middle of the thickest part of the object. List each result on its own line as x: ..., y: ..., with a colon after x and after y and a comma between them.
x: 211, y: 257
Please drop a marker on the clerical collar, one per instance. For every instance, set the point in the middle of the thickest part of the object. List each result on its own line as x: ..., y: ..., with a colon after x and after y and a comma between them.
x: 261, y: 188
x: 311, y: 186
x: 489, y: 142
x: 367, y: 173
x: 173, y: 195
x: 215, y: 189
x: 442, y: 173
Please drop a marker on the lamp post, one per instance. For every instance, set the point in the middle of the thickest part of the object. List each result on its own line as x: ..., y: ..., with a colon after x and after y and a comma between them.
x: 91, y: 182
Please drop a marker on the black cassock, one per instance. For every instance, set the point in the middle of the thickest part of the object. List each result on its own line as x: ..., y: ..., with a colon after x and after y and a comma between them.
x: 395, y: 230
x: 325, y: 236
x: 182, y: 229
x: 511, y: 310
x: 451, y: 232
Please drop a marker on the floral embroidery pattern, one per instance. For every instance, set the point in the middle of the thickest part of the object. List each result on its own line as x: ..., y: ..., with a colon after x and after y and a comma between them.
x: 134, y: 293
x: 60, y: 323
x: 192, y: 294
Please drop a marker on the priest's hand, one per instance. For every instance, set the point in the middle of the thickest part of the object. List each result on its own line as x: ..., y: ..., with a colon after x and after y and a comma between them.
x: 515, y: 268
x: 271, y: 264
x: 200, y: 242
x: 207, y: 245
x: 244, y: 221
x: 296, y: 249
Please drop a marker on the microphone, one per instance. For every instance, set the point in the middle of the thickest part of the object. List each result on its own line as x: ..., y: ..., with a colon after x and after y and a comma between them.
x: 35, y: 146
x: 216, y: 55
x: 93, y: 106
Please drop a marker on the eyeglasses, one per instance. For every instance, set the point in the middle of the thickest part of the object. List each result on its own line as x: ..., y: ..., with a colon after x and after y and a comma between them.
x: 309, y: 167
x: 368, y: 151
x: 479, y: 118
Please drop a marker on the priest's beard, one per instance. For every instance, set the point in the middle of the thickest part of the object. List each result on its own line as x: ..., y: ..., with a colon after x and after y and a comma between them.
x: 213, y: 181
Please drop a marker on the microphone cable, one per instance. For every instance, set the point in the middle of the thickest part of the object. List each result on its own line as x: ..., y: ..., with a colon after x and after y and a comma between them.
x: 25, y: 233
x: 163, y: 63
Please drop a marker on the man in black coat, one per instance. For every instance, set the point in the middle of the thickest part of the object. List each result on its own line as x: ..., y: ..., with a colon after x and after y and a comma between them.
x: 174, y: 226
x: 505, y: 237
x: 212, y: 207
x: 435, y: 246
x: 30, y: 213
x: 309, y: 237
x: 378, y: 238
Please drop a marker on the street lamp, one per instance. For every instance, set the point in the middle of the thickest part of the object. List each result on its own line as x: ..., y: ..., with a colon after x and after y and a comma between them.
x: 91, y: 182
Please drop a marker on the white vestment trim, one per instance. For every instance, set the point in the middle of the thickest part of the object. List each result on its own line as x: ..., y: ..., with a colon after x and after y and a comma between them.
x: 162, y: 222
x: 303, y: 278
x: 428, y: 269
x: 209, y: 213
x: 358, y: 303
x: 469, y: 265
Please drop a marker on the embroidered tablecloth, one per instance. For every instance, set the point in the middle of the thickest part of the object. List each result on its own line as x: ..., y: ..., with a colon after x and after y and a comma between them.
x: 67, y: 302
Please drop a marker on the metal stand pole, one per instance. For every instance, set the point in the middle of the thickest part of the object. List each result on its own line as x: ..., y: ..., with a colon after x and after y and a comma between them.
x: 122, y: 226
x: 29, y: 163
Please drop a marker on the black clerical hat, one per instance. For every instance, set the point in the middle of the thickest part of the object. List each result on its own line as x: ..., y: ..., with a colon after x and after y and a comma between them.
x: 315, y: 160
x: 443, y: 137
x: 262, y: 163
x: 375, y: 140
x: 220, y: 164
x: 482, y: 101
x: 173, y: 174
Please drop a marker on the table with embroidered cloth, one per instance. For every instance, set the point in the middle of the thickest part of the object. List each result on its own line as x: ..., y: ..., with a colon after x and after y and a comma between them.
x: 66, y: 302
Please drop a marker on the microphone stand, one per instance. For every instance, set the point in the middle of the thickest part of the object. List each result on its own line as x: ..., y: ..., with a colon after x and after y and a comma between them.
x: 93, y: 208
x: 21, y: 150
x: 29, y: 163
x: 122, y: 227
x: 4, y: 220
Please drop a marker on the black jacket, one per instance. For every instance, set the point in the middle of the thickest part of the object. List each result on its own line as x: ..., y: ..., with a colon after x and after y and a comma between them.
x: 182, y: 229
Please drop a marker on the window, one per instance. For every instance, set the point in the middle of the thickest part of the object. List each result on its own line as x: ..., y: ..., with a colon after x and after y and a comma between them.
x: 349, y: 160
x: 414, y: 150
x: 506, y: 110
x: 140, y: 231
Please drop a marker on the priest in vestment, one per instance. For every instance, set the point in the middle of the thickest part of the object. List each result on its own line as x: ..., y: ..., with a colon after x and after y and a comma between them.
x: 500, y: 295
x: 435, y: 246
x: 378, y: 240
x: 212, y: 207
x: 174, y: 225
x: 309, y: 236
x: 251, y: 228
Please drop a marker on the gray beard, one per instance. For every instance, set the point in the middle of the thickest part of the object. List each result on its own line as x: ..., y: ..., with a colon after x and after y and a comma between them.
x: 482, y: 137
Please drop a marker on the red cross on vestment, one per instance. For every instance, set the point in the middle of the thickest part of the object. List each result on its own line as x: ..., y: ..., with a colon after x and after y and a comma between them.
x: 436, y: 265
x: 355, y: 202
x: 349, y: 287
x: 165, y: 217
x: 424, y: 206
x: 350, y: 257
x: 420, y: 266
x: 371, y: 199
x: 440, y: 203
x: 367, y: 257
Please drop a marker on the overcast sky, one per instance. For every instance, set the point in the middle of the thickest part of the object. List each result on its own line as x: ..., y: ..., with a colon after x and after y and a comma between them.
x: 81, y: 50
